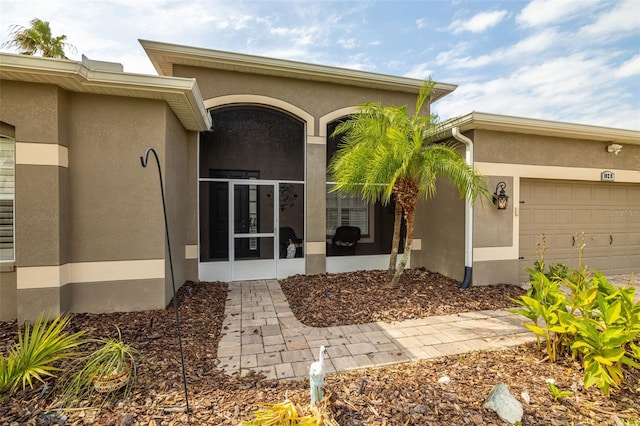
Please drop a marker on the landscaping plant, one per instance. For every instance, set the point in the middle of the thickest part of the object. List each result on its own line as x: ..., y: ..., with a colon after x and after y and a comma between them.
x: 34, y: 356
x: 288, y: 414
x: 594, y: 322
x: 557, y: 393
x: 386, y: 151
x: 113, y: 360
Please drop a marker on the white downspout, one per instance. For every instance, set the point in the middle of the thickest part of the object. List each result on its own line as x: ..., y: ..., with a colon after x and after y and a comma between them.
x: 468, y: 213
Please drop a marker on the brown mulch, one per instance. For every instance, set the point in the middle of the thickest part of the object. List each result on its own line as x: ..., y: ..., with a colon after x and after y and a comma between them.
x: 364, y: 296
x: 396, y: 395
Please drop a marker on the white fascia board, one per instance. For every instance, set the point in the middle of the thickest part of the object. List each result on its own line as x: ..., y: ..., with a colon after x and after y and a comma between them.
x: 195, y: 56
x: 75, y: 76
x: 506, y: 123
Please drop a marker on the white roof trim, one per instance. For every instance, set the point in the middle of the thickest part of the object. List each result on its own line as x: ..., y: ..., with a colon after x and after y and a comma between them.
x: 164, y: 55
x: 182, y: 94
x: 506, y: 123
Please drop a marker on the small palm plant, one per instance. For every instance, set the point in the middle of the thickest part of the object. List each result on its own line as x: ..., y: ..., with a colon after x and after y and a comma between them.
x: 39, y: 347
x: 107, y: 369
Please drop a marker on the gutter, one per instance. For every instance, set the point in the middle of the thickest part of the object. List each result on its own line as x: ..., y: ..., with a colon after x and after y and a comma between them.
x: 468, y: 213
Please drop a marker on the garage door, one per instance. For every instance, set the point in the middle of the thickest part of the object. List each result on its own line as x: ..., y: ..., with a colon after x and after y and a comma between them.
x: 607, y: 213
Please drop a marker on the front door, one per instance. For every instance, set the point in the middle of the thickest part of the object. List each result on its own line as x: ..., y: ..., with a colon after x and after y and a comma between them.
x: 252, y: 239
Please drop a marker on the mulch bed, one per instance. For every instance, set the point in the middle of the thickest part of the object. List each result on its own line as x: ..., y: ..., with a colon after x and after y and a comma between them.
x: 366, y: 296
x: 396, y: 395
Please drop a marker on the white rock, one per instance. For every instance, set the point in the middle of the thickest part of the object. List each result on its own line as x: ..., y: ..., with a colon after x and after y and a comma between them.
x: 525, y: 397
x: 444, y: 379
x: 504, y: 404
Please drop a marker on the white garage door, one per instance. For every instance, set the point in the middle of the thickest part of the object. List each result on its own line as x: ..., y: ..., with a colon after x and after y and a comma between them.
x: 607, y: 213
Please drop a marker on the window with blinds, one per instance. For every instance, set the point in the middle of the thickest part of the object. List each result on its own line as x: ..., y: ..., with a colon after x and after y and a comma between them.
x: 345, y: 210
x: 7, y: 197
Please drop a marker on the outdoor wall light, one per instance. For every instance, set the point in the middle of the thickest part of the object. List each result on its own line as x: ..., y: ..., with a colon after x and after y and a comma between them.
x: 500, y: 198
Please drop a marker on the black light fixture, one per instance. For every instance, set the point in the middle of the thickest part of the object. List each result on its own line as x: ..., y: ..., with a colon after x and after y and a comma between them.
x: 500, y: 198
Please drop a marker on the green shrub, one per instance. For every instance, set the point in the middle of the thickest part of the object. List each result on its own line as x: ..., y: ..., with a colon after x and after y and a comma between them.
x: 594, y: 322
x: 36, y: 352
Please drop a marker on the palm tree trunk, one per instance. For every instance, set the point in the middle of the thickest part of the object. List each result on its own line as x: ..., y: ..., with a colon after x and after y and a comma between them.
x: 395, y: 242
x: 409, y: 217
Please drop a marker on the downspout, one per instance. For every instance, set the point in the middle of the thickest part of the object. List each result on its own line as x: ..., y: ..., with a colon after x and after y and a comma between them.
x: 468, y: 213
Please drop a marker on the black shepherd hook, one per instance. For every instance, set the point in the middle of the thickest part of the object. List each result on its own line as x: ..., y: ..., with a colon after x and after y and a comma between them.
x: 144, y: 160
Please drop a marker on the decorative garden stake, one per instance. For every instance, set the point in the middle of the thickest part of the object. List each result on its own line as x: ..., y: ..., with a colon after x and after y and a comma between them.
x: 363, y: 384
x: 144, y: 160
x: 317, y: 372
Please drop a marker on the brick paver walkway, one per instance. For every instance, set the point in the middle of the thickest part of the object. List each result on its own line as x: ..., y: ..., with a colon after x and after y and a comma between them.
x: 261, y: 333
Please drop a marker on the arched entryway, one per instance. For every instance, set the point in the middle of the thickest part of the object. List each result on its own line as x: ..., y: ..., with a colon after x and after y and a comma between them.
x: 251, y: 194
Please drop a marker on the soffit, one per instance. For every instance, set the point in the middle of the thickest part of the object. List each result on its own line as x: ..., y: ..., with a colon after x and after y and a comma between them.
x: 164, y: 56
x: 181, y: 94
x: 505, y: 123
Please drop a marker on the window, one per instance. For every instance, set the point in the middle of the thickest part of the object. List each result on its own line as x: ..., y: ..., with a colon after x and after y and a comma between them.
x: 345, y: 210
x: 7, y: 196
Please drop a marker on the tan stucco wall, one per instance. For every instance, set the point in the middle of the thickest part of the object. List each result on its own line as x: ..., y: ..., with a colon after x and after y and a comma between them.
x: 175, y: 181
x: 33, y: 109
x: 495, y: 272
x: 503, y: 147
x: 494, y: 227
x: 35, y: 301
x: 114, y: 296
x: 440, y: 226
x: 37, y: 211
x: 8, y: 296
x: 116, y: 209
x: 316, y: 98
x: 191, y: 207
x: 103, y: 207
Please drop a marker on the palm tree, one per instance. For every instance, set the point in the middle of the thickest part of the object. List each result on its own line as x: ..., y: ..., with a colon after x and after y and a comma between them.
x: 38, y: 38
x: 386, y: 151
x: 365, y: 133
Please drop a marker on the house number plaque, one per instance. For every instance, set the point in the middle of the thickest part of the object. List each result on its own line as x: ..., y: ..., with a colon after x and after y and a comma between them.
x: 607, y: 176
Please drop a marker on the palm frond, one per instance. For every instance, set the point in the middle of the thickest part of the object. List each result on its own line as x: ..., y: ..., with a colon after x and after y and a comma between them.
x: 39, y: 347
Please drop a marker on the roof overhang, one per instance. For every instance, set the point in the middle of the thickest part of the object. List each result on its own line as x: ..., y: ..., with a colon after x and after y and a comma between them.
x: 165, y: 55
x: 182, y: 94
x: 505, y: 123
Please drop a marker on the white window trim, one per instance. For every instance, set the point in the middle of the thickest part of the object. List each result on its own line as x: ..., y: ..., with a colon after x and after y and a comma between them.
x: 11, y: 197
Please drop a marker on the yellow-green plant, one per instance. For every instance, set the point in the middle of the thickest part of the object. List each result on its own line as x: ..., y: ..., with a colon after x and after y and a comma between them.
x: 557, y: 393
x: 595, y: 322
x: 556, y: 271
x: 544, y: 305
x: 607, y: 340
x: 287, y: 414
x: 39, y: 346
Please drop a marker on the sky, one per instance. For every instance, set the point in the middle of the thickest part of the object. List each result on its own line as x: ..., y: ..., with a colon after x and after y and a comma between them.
x: 564, y: 60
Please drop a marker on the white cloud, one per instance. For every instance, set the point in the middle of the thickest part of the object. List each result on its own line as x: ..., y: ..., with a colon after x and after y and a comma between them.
x: 520, y: 51
x: 573, y: 88
x: 545, y: 12
x: 537, y: 42
x: 630, y: 68
x: 623, y: 18
x: 420, y: 71
x: 478, y: 23
x: 358, y: 61
x: 421, y: 23
x: 348, y: 43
